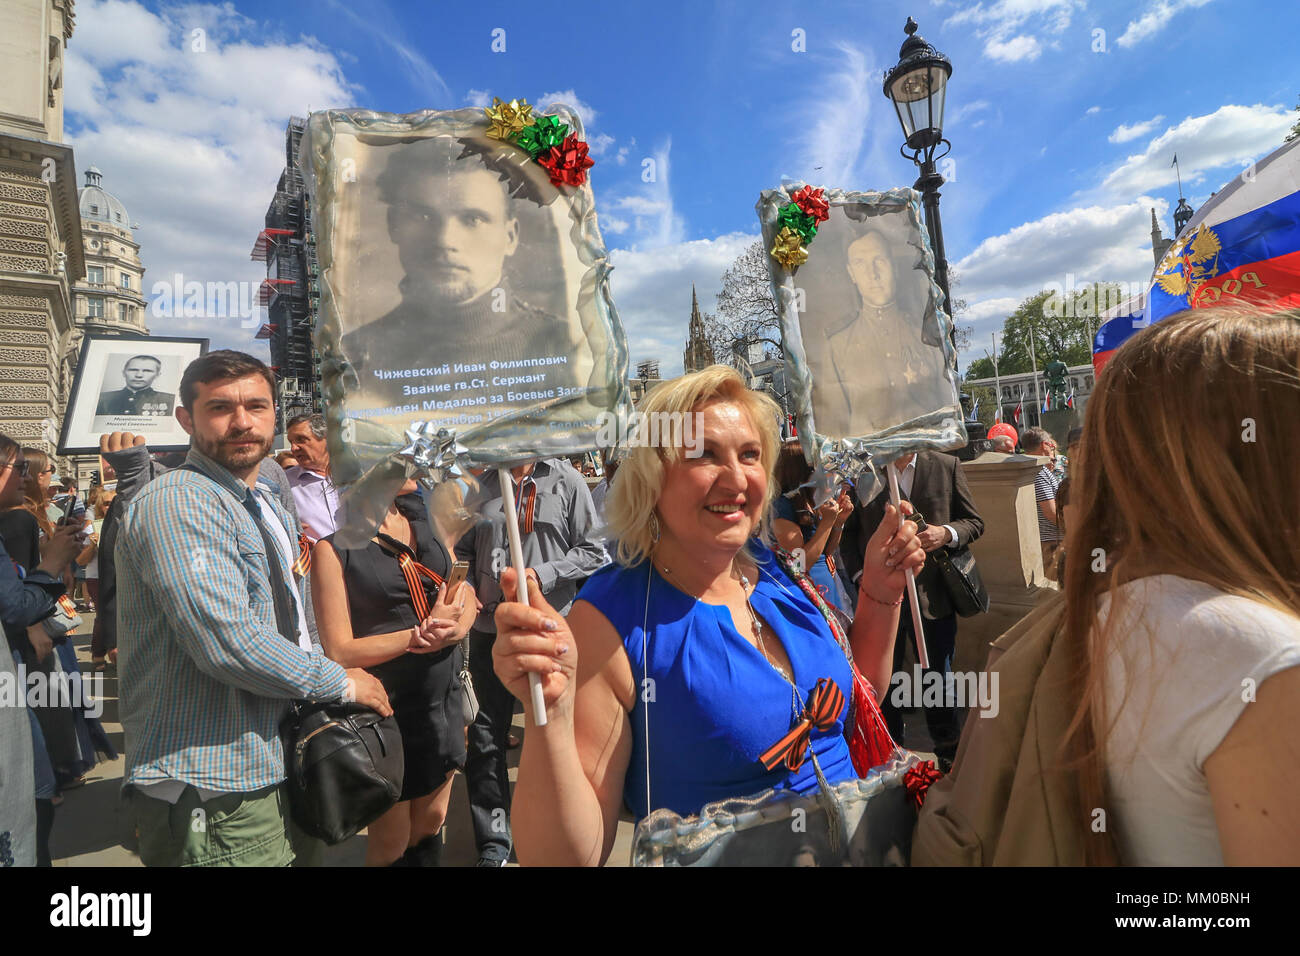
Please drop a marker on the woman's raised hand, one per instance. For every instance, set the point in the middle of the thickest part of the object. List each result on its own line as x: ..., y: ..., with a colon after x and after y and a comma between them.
x: 890, y: 552
x: 533, y: 639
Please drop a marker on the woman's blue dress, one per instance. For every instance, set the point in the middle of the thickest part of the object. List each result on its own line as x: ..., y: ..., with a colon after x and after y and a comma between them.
x: 714, y: 702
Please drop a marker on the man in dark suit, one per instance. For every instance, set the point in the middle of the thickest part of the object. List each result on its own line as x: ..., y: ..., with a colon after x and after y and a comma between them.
x: 936, y: 486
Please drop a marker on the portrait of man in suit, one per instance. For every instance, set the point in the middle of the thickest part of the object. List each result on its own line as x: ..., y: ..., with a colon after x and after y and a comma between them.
x: 935, y: 484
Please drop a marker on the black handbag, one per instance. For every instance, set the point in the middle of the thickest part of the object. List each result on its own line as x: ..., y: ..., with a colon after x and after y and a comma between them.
x: 961, y: 576
x: 345, y: 766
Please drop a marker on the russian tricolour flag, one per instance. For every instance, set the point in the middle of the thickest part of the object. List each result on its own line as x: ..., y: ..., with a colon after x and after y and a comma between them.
x: 1243, y: 245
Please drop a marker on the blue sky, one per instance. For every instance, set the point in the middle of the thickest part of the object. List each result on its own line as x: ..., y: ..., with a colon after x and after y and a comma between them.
x: 1063, y: 115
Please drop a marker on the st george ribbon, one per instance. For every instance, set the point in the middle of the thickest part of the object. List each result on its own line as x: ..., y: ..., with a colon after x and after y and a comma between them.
x: 868, y: 350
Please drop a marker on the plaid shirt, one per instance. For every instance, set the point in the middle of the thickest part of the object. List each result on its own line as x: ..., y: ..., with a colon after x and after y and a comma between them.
x: 206, y: 677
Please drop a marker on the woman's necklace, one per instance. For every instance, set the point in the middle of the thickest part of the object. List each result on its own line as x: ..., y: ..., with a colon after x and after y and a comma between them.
x: 758, y: 636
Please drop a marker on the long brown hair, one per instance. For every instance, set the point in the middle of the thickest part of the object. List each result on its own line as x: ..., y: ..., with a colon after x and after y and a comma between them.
x: 34, y: 497
x: 1188, y: 466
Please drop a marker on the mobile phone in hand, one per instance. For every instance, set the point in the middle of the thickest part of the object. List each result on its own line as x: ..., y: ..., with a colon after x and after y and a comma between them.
x: 459, y: 571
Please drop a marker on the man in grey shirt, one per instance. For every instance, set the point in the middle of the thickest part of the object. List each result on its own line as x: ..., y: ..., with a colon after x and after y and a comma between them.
x: 557, y: 529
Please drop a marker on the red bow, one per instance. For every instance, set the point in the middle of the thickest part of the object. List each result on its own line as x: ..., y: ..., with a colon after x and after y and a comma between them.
x: 568, y: 163
x: 812, y: 202
x: 917, y: 780
x: 824, y: 706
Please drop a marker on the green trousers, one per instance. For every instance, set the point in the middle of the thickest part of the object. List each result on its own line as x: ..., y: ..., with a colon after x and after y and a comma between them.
x: 233, y: 829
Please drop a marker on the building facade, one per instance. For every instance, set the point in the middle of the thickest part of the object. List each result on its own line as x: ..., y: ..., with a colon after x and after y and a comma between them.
x: 291, y: 290
x: 1019, y: 387
x: 109, y: 300
x: 698, y: 354
x: 41, y: 253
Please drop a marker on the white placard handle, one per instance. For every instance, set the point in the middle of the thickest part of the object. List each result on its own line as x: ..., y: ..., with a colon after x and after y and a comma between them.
x: 517, y: 559
x: 921, y: 657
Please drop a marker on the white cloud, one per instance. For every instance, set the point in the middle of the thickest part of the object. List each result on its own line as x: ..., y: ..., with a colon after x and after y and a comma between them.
x: 479, y: 98
x: 1124, y: 133
x: 1155, y: 19
x: 192, y: 143
x: 966, y: 110
x: 652, y: 290
x: 613, y: 224
x: 383, y: 27
x: 1092, y: 111
x: 1093, y: 243
x: 1008, y: 27
x: 1075, y: 247
x: 1014, y: 50
x: 831, y: 146
x: 599, y: 143
x: 655, y: 222
x: 1230, y: 136
x: 570, y: 99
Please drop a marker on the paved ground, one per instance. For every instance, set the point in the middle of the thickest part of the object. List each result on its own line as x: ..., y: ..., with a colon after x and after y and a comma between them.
x: 87, y: 826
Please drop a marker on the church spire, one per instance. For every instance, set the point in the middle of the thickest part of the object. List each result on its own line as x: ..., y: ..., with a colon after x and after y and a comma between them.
x: 698, y: 354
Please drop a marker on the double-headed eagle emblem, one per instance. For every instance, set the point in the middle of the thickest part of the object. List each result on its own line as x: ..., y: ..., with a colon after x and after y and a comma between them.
x: 1190, y: 262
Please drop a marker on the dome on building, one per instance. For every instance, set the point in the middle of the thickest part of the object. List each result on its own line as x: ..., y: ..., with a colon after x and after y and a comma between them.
x: 99, y: 205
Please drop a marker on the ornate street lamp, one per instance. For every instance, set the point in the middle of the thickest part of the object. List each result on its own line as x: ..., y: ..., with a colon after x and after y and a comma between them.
x: 917, y: 84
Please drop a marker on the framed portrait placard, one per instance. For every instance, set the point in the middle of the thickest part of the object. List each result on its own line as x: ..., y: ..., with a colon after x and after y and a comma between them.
x: 867, y: 343
x: 459, y: 286
x: 128, y: 385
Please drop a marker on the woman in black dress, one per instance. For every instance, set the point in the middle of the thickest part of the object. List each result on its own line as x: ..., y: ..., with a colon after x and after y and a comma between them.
x: 367, y: 618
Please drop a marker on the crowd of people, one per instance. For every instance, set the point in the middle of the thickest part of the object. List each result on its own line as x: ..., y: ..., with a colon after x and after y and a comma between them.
x: 680, y: 622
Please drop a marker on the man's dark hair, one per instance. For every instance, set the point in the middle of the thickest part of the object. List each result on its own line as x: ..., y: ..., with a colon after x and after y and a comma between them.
x: 152, y: 358
x: 317, y: 423
x: 218, y: 366
x: 440, y: 155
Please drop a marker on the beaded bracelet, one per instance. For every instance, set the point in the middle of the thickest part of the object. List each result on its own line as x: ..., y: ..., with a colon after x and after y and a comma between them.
x: 864, y: 591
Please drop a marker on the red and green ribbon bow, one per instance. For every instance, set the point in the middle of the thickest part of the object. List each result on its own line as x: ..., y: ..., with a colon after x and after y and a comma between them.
x: 823, y: 709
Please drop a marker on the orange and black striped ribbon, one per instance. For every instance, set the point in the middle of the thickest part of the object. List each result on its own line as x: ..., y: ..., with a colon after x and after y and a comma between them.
x: 823, y: 709
x: 411, y: 570
x: 303, y: 564
x: 526, y: 503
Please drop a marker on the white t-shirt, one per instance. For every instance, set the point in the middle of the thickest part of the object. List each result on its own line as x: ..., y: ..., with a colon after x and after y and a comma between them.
x: 1185, y: 654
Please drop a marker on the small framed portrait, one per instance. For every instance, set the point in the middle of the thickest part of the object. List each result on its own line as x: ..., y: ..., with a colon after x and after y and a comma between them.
x: 867, y: 343
x: 460, y: 285
x: 128, y: 385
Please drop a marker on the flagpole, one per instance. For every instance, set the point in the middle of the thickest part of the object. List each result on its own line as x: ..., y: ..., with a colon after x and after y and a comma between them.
x: 1033, y: 358
x: 997, y: 380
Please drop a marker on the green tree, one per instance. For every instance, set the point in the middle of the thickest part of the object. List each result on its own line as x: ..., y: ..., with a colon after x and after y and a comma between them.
x: 1295, y: 129
x: 980, y: 368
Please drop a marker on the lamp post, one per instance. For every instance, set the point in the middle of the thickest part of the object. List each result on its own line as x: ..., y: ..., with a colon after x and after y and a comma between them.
x: 917, y: 84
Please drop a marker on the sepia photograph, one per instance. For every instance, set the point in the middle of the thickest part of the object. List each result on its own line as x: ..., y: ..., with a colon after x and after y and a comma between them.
x: 870, y: 336
x: 464, y: 288
x: 128, y: 385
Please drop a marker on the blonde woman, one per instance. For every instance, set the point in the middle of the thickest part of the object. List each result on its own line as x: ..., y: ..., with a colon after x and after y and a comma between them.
x: 1187, y: 634
x: 700, y: 611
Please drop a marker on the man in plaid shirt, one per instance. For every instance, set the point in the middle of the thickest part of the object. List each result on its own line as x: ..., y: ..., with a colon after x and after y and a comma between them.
x: 206, y: 674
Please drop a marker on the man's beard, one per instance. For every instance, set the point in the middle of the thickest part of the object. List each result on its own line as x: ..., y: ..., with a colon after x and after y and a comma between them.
x: 231, y: 458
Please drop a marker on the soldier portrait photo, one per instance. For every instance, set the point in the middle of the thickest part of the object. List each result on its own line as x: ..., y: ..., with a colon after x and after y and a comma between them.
x: 138, y: 397
x: 128, y: 385
x: 873, y: 344
x: 475, y: 256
